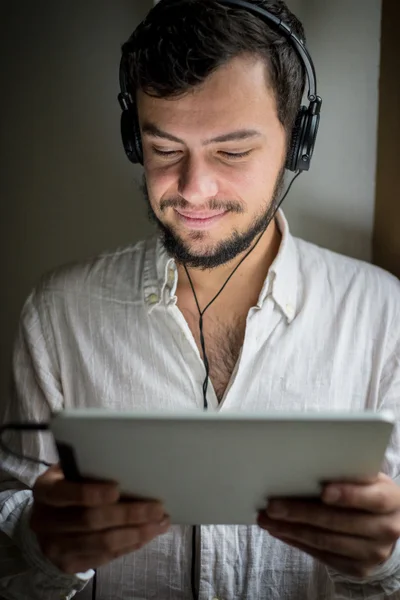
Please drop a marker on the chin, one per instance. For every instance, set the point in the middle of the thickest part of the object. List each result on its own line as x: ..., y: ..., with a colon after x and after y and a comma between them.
x: 199, y: 247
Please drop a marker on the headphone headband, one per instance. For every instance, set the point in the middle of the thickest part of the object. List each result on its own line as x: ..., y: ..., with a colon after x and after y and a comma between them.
x: 307, y: 122
x: 286, y: 31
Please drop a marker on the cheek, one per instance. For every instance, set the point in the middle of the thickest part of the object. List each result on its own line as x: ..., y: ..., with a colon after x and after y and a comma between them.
x: 255, y: 183
x: 160, y: 182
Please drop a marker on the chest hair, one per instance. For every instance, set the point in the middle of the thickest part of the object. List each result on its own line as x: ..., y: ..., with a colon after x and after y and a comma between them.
x: 223, y: 342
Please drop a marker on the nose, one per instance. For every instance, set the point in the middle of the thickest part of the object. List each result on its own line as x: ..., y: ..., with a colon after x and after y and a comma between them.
x: 197, y: 182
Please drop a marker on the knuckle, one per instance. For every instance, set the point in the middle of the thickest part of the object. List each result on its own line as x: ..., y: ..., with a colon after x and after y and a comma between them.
x: 382, y: 501
x: 391, y: 529
x: 379, y: 555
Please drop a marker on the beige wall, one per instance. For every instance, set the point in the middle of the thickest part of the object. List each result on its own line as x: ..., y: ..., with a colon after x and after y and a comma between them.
x: 66, y: 188
x: 333, y: 205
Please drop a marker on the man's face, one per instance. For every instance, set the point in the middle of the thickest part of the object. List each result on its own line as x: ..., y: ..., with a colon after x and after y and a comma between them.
x: 209, y: 201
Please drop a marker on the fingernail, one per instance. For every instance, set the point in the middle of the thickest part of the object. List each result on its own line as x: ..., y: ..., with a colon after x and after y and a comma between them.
x: 155, y: 513
x: 164, y: 522
x: 331, y: 495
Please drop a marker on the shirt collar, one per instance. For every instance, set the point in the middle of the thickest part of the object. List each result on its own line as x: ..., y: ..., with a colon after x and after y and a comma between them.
x: 281, y: 282
x: 160, y: 275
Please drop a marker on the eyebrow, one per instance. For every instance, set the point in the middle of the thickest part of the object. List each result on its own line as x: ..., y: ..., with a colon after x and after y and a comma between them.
x: 241, y: 134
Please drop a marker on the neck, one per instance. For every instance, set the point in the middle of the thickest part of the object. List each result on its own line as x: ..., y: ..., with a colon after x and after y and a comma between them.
x: 250, y: 275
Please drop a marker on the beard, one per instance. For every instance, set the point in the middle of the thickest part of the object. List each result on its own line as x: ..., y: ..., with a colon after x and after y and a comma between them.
x: 223, y: 251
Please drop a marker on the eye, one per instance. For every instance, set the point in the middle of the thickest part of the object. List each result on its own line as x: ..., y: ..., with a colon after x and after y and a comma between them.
x: 165, y: 153
x: 233, y: 155
x: 228, y: 155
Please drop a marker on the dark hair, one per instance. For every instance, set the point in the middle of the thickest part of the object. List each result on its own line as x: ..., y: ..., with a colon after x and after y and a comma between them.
x: 179, y: 44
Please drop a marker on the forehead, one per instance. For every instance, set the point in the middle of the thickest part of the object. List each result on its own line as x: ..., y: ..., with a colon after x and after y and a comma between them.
x: 235, y: 95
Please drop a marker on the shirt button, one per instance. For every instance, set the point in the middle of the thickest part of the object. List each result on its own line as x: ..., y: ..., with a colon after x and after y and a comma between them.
x: 152, y: 298
x: 290, y: 310
x: 171, y: 276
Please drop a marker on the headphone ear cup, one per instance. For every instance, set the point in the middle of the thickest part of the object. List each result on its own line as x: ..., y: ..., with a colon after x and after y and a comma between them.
x: 131, y: 138
x: 137, y: 138
x: 293, y: 159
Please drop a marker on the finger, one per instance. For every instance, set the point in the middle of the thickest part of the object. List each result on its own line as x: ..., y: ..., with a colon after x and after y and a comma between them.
x: 73, y: 563
x: 98, y: 544
x: 356, y: 548
x: 352, y: 568
x: 354, y: 480
x: 53, y: 473
x: 124, y: 514
x: 54, y: 490
x: 340, y: 520
x: 381, y: 497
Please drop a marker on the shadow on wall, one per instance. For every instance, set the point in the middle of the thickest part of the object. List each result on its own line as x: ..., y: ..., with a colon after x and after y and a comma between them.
x: 67, y: 190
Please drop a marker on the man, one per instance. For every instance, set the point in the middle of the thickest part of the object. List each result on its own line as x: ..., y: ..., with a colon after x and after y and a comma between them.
x: 297, y: 327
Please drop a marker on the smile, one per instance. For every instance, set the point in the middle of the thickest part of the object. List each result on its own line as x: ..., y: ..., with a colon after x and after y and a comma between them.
x: 200, y: 220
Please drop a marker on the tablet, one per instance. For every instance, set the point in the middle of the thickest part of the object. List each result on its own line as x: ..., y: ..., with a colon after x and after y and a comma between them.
x: 220, y: 467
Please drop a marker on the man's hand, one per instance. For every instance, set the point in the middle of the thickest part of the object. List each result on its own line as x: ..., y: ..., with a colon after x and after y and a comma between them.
x: 81, y: 526
x: 353, y: 529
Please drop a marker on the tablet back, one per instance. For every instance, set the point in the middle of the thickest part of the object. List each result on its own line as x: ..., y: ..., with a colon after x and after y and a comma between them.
x: 219, y: 468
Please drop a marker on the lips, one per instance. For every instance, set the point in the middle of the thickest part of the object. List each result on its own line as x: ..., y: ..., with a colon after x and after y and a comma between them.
x: 200, y: 216
x: 200, y: 220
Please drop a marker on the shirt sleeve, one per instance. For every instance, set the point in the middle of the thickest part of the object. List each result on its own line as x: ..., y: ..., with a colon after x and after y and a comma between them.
x: 384, y: 580
x: 35, y: 393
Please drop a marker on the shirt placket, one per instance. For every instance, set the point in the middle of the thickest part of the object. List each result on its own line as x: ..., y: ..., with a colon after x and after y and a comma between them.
x: 182, y: 330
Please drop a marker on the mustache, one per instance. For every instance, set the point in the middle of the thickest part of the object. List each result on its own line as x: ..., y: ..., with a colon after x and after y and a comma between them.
x: 214, y: 204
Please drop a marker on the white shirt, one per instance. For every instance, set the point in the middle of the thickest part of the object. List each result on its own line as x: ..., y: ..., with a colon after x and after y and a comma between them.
x: 325, y: 334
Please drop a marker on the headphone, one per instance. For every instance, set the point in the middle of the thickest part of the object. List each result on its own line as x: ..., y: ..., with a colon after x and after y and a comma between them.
x: 305, y: 129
